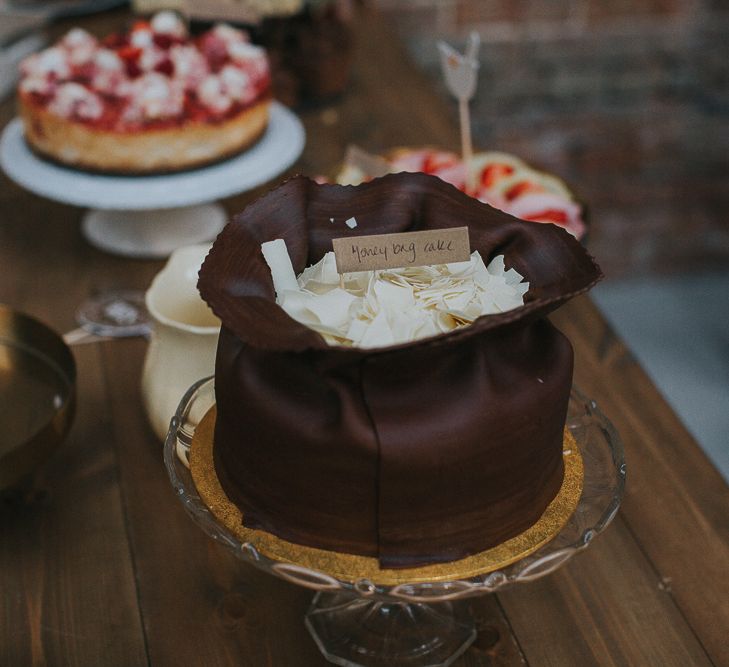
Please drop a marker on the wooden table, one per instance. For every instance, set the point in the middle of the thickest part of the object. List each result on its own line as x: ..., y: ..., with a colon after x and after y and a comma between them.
x: 103, y: 567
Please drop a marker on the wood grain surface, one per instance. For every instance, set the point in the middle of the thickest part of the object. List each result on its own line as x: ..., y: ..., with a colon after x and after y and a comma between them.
x: 99, y: 565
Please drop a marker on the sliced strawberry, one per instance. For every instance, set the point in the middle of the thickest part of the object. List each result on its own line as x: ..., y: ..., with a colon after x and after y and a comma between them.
x: 522, y: 188
x: 83, y: 73
x: 550, y: 215
x: 548, y: 207
x: 129, y: 53
x: 215, y: 50
x: 165, y: 41
x: 116, y: 40
x: 436, y: 161
x: 454, y: 174
x: 112, y: 111
x: 494, y: 172
x: 133, y: 69
x: 193, y: 109
x: 165, y: 67
x: 40, y: 99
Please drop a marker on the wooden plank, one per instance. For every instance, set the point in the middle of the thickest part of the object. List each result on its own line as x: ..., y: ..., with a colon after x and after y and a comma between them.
x: 65, y: 569
x: 68, y: 589
x: 605, y: 607
x: 200, y: 605
x: 676, y: 502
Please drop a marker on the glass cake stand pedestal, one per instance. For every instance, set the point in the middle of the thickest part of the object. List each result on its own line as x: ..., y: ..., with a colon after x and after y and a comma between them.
x: 150, y: 216
x: 407, y: 618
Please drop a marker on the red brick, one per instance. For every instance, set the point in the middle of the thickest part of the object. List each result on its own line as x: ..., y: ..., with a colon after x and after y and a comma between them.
x: 632, y: 117
x: 606, y: 10
x: 538, y: 10
x: 489, y: 11
x: 414, y: 20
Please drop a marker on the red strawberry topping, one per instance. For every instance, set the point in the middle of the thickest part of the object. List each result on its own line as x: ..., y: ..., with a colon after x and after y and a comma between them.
x: 129, y: 73
x: 133, y: 69
x: 522, y: 188
x: 116, y: 40
x: 128, y: 53
x: 130, y: 56
x: 83, y: 73
x: 194, y: 109
x: 165, y: 41
x: 552, y: 215
x: 165, y: 67
x: 215, y: 50
x: 434, y: 162
x: 494, y: 172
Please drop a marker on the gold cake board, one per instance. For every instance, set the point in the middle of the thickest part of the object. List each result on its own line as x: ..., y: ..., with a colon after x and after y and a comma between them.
x: 351, y: 568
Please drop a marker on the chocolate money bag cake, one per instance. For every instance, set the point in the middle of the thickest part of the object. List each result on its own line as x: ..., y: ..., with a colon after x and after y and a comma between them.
x: 415, y: 453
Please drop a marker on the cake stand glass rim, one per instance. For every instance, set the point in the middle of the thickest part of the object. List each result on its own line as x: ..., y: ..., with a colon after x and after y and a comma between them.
x: 295, y: 558
x: 618, y: 460
x: 604, y: 481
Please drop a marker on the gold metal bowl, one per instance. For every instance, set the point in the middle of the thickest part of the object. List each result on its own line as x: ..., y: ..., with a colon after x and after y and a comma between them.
x: 37, y: 395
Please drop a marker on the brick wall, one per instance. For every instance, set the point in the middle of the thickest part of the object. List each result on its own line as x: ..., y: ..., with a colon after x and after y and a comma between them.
x: 628, y: 101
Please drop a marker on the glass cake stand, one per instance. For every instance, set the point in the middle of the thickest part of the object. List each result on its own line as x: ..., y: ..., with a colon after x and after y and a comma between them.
x: 150, y: 216
x: 360, y: 623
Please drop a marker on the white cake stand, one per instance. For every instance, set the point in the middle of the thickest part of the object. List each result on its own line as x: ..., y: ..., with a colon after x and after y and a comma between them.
x: 150, y: 216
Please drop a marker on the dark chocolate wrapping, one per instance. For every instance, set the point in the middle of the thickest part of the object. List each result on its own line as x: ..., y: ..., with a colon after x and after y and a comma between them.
x: 416, y: 453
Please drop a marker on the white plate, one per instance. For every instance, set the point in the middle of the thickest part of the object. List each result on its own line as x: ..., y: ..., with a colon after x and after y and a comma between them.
x: 277, y: 150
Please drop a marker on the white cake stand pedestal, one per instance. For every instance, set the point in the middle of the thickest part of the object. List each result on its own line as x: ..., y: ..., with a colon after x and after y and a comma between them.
x: 150, y: 216
x: 152, y: 232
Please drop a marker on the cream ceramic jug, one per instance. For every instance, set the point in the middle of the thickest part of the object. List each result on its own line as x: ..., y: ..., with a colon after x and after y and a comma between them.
x: 184, y: 336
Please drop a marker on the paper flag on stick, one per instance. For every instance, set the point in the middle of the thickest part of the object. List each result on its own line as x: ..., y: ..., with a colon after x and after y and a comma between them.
x: 460, y: 72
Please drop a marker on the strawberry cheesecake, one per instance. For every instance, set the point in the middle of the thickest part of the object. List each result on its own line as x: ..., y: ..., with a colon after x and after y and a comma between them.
x: 153, y: 99
x: 499, y: 179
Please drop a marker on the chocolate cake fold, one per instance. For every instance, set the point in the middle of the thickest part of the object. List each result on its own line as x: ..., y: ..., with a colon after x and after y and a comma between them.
x: 236, y: 281
x: 416, y: 453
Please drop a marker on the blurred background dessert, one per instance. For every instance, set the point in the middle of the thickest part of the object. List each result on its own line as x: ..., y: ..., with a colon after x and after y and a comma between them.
x: 502, y: 180
x: 152, y: 98
x: 309, y: 42
x: 629, y: 104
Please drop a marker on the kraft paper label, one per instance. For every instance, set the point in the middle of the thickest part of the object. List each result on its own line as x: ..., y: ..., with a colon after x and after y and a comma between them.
x: 395, y: 251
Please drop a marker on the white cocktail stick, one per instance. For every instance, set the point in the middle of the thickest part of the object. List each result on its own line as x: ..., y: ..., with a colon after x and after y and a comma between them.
x: 461, y: 76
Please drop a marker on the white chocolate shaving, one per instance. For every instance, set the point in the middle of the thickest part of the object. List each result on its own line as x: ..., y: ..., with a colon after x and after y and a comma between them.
x: 388, y: 307
x: 282, y: 271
